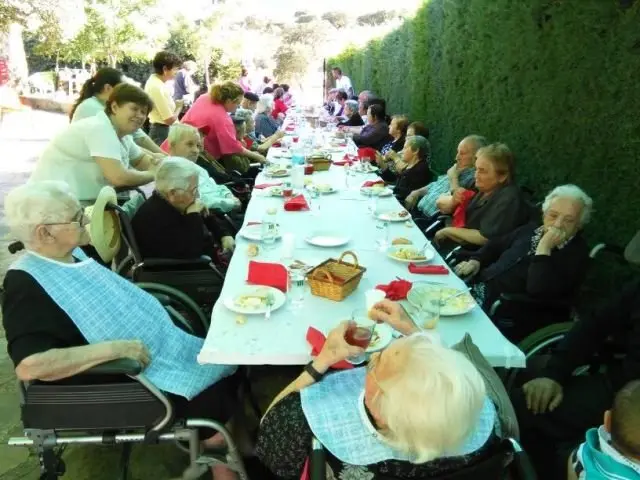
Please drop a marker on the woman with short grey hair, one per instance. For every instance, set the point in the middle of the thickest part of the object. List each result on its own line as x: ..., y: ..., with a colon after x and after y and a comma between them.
x: 353, y: 118
x: 546, y: 261
x: 265, y: 123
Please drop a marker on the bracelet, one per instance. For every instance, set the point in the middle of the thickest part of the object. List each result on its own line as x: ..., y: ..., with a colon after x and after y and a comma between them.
x: 316, y: 375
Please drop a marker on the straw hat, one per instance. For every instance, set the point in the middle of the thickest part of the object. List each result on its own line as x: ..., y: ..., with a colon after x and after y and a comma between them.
x: 632, y: 252
x: 104, y: 228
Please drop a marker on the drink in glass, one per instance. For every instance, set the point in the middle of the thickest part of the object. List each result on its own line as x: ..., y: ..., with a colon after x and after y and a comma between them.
x: 359, y: 334
x: 297, y: 287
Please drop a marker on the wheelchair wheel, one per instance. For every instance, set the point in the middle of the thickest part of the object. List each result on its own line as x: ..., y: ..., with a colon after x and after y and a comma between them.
x: 180, y: 302
x: 542, y: 341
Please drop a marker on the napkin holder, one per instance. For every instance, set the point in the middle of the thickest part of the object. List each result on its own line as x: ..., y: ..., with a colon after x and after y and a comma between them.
x: 336, y: 279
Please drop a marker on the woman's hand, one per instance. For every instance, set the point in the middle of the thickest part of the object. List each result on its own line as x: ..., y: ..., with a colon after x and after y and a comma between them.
x: 393, y: 315
x: 468, y: 268
x: 133, y: 349
x: 228, y: 244
x: 551, y: 239
x: 542, y: 395
x: 196, y: 207
x: 336, y: 348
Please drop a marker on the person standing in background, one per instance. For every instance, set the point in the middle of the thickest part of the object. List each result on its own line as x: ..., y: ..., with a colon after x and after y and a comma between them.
x: 244, y: 81
x: 165, y: 110
x: 266, y: 81
x: 342, y: 81
x: 184, y: 87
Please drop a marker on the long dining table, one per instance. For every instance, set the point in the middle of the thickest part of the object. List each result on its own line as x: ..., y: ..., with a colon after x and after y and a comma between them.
x: 281, y: 339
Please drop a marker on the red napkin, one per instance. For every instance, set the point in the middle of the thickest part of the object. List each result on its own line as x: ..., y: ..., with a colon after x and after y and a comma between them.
x: 296, y: 204
x: 267, y: 185
x: 460, y: 213
x: 269, y: 274
x: 276, y: 144
x: 429, y: 269
x: 253, y: 223
x: 371, y: 183
x: 367, y: 152
x: 396, y: 290
x: 316, y: 339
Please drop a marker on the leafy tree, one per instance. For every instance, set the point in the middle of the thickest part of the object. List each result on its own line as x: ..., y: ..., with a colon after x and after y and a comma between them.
x: 185, y: 40
x: 291, y: 61
x: 305, y: 18
x: 376, y: 18
x: 337, y: 19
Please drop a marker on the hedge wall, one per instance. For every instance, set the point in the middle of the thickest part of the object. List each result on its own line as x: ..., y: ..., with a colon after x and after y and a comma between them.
x: 557, y: 80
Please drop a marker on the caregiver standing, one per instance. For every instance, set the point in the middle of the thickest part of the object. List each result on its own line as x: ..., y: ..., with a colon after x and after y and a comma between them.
x: 98, y: 151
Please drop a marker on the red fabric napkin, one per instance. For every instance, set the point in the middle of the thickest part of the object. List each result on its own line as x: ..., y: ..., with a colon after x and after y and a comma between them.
x: 269, y: 274
x: 296, y: 204
x: 367, y: 152
x: 316, y: 339
x: 276, y: 144
x: 371, y: 183
x: 460, y: 213
x: 429, y: 269
x: 267, y: 185
x: 396, y: 290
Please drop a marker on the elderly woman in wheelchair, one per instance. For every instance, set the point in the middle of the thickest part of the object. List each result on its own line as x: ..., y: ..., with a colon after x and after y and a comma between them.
x: 418, y: 410
x: 64, y: 314
x: 545, y: 262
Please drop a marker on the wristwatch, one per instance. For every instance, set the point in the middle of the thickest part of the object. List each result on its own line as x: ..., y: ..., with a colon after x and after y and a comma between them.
x: 316, y: 375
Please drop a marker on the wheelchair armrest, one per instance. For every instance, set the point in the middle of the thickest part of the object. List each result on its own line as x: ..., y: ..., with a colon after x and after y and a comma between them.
x: 606, y: 248
x: 526, y: 300
x: 255, y: 165
x: 120, y: 366
x: 521, y: 463
x: 176, y: 262
x: 438, y: 224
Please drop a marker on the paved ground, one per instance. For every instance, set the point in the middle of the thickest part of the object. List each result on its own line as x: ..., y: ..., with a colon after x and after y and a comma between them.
x: 22, y: 137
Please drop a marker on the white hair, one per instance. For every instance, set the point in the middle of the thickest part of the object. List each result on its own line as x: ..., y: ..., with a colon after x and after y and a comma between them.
x: 35, y: 203
x: 352, y: 105
x: 574, y: 192
x: 178, y: 130
x: 478, y: 141
x: 175, y: 173
x: 446, y: 394
x: 265, y: 104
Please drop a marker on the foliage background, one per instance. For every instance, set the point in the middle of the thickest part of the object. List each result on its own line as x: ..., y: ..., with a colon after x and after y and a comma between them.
x: 556, y: 80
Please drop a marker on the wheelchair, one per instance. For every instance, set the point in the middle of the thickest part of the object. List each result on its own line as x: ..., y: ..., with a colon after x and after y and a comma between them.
x: 112, y: 404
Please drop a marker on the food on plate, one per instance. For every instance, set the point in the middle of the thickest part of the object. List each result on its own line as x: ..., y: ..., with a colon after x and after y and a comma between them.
x: 324, y: 188
x: 272, y: 210
x: 276, y: 191
x: 401, y: 241
x: 252, y: 301
x: 408, y: 253
x: 403, y: 214
x: 253, y: 250
x: 279, y: 171
x: 308, y: 180
x: 241, y: 319
x: 431, y: 323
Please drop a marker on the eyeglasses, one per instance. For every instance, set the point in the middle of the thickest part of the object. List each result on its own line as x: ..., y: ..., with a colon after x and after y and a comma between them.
x: 79, y: 218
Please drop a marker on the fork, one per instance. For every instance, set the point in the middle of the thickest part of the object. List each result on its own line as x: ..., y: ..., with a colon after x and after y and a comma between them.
x: 270, y: 302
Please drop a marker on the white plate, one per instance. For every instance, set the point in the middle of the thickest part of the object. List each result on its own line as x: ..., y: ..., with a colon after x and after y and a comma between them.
x: 327, y: 239
x: 393, y: 216
x: 455, y: 306
x: 427, y: 252
x: 257, y: 292
x: 279, y: 173
x: 380, y: 192
x: 384, y: 334
x: 254, y: 232
x: 360, y: 169
x: 323, y: 192
x: 275, y: 191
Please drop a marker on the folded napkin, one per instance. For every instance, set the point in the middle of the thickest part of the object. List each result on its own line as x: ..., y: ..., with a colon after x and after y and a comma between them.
x: 367, y: 152
x: 396, y: 290
x: 267, y: 185
x: 268, y: 274
x: 316, y: 339
x: 371, y: 183
x: 429, y: 269
x: 296, y: 204
x: 276, y: 144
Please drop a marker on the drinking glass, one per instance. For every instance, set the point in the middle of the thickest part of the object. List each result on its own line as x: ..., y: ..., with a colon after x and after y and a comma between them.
x: 297, y: 287
x: 359, y: 333
x: 427, y: 307
x: 372, y: 202
x: 313, y: 200
x: 269, y: 231
x: 383, y: 239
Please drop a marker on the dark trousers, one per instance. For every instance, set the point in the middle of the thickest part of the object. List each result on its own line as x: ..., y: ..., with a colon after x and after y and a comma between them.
x: 158, y: 132
x: 549, y: 438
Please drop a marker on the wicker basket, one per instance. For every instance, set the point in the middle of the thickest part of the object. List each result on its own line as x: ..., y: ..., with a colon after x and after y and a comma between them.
x: 336, y: 279
x: 320, y: 164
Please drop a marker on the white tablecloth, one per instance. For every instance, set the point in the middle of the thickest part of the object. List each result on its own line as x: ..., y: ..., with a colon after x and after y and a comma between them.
x: 281, y: 340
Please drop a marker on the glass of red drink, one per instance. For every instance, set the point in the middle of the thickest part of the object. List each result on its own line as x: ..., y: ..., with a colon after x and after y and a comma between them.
x: 359, y: 334
x: 287, y: 192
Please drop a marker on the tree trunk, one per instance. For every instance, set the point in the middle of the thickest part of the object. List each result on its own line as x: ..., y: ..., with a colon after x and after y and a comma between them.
x: 207, y: 77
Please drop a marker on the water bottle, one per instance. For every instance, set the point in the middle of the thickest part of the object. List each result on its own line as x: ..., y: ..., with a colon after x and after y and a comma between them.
x: 269, y: 228
x: 297, y: 176
x: 297, y: 156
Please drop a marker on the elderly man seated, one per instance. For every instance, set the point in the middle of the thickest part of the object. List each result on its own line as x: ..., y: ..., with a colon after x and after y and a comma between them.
x: 351, y: 116
x: 185, y: 141
x: 437, y: 196
x: 556, y: 407
x: 418, y: 410
x: 63, y: 313
x: 174, y: 222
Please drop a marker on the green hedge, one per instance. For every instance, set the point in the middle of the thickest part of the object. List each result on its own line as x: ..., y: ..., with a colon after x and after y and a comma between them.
x: 558, y: 81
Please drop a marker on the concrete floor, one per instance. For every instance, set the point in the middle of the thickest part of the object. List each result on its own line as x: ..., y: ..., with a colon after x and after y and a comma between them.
x: 23, y: 135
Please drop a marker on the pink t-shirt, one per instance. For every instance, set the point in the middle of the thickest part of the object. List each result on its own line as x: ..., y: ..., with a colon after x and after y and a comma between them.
x: 221, y: 137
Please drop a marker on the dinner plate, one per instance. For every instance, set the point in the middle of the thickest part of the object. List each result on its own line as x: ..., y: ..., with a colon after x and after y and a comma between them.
x: 251, y: 299
x: 254, y: 232
x: 393, y: 216
x: 275, y: 191
x: 380, y: 192
x: 396, y: 253
x: 279, y: 173
x: 327, y: 188
x: 454, y: 306
x: 360, y: 169
x: 327, y: 239
x: 382, y: 336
